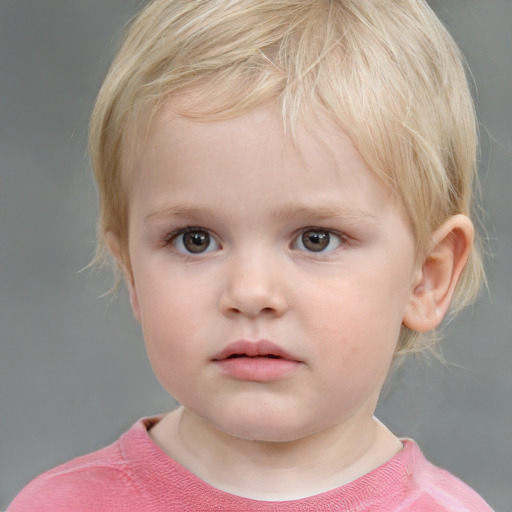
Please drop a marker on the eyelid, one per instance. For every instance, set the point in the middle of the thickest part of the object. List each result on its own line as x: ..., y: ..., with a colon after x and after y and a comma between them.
x: 170, y: 239
x: 342, y: 238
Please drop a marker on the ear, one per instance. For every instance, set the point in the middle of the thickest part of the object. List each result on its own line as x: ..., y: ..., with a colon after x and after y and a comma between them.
x: 114, y: 246
x: 437, y: 277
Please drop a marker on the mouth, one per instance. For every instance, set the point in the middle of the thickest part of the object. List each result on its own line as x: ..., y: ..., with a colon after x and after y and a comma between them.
x: 261, y: 361
x: 253, y: 350
x: 270, y: 356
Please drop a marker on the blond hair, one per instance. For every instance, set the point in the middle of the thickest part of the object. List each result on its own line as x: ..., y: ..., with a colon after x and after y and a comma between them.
x: 386, y: 71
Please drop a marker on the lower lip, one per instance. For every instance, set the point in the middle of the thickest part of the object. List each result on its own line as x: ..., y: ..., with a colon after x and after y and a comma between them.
x: 257, y: 369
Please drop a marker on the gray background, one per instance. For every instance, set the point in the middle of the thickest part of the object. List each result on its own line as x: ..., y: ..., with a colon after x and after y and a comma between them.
x: 72, y: 366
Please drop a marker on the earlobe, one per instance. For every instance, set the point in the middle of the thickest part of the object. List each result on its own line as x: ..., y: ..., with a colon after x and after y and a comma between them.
x: 436, y: 279
x: 114, y: 246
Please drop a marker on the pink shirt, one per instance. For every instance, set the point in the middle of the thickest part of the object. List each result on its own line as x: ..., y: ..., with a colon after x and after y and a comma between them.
x: 134, y: 474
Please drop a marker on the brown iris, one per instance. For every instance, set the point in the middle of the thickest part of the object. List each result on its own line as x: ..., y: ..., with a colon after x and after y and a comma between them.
x: 315, y: 241
x: 196, y: 241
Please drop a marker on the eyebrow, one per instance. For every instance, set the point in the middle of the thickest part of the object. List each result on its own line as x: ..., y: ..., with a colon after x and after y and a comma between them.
x: 177, y: 211
x: 291, y: 212
x: 323, y: 212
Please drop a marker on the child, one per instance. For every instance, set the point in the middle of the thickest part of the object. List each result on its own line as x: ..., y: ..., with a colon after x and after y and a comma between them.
x: 286, y: 188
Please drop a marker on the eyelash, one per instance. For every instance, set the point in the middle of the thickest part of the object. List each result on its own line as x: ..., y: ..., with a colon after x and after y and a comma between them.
x: 172, y: 239
x: 298, y: 240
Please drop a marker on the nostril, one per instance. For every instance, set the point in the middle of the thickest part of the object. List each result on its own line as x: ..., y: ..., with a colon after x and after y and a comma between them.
x: 252, y: 300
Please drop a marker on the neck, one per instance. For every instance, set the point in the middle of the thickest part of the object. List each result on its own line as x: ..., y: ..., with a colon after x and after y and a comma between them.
x: 275, y: 471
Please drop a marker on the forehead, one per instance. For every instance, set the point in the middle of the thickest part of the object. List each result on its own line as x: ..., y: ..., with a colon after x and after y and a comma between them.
x: 250, y: 158
x: 246, y: 140
x: 261, y: 131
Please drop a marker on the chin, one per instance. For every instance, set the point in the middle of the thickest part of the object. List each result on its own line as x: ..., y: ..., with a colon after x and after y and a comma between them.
x: 271, y: 428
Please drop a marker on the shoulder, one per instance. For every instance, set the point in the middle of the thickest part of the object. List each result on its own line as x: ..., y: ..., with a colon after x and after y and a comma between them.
x: 98, y: 481
x: 433, y: 488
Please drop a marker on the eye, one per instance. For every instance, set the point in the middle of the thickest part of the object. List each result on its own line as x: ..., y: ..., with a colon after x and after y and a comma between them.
x: 194, y: 241
x: 318, y: 240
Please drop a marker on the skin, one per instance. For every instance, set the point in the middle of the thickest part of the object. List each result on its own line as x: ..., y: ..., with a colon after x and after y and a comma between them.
x: 337, y: 311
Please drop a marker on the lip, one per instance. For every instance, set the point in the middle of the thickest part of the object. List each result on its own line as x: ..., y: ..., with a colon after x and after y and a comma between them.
x: 259, y: 348
x: 260, y: 361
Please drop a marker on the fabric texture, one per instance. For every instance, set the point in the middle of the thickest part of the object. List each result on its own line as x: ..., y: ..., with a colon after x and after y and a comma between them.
x: 134, y: 474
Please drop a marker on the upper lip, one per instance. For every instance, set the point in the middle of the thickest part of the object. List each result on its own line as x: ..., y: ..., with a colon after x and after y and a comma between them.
x: 259, y: 348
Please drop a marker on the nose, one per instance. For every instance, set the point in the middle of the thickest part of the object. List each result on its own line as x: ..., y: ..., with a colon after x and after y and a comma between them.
x: 253, y: 287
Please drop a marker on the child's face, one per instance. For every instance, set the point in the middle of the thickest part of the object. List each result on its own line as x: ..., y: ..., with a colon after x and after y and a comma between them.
x: 236, y: 238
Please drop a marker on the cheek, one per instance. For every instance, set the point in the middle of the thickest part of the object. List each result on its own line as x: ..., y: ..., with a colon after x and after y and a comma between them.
x: 171, y: 346
x: 163, y: 295
x: 357, y: 321
x: 168, y: 312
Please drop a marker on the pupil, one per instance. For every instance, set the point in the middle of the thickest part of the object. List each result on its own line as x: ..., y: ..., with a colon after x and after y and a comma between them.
x: 197, y: 241
x: 315, y: 240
